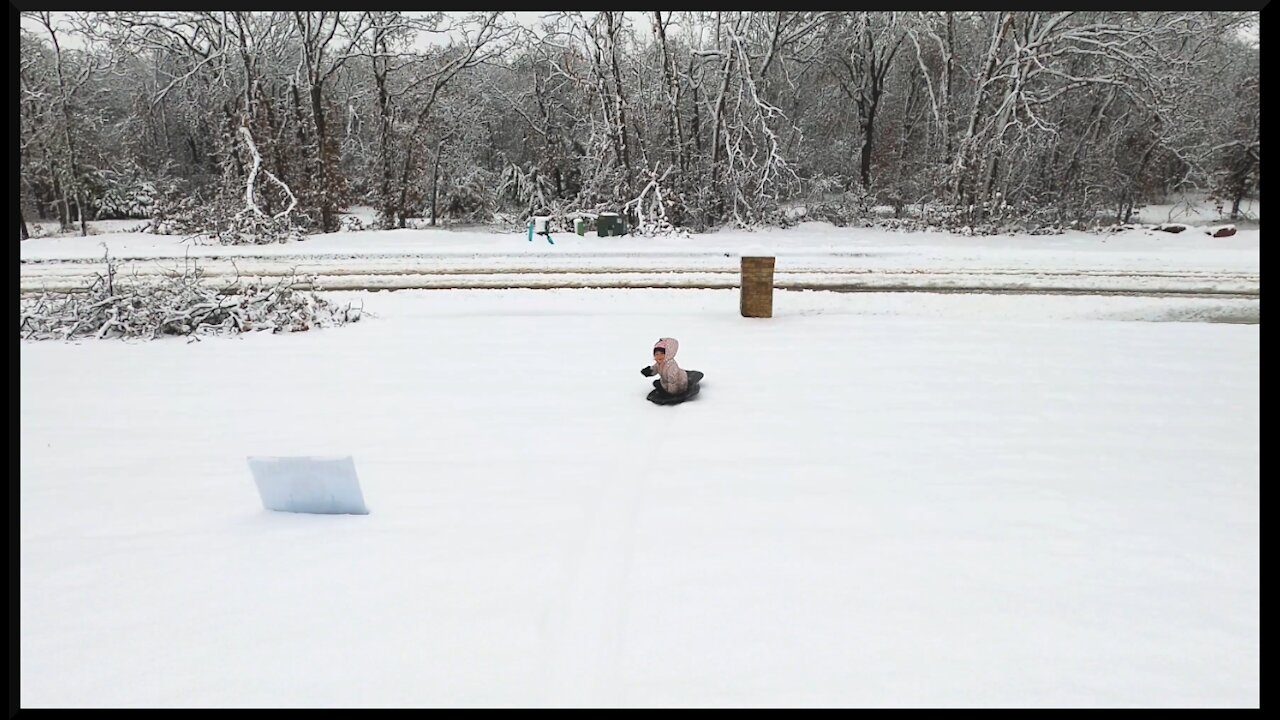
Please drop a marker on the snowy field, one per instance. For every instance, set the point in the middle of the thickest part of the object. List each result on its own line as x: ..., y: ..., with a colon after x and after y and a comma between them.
x: 877, y: 500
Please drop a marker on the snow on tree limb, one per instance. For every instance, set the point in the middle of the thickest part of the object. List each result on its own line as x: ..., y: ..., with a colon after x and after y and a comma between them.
x: 975, y: 118
x: 181, y: 304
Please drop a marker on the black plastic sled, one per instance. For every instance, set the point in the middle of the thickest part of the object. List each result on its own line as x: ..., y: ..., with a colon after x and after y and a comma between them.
x: 659, y: 397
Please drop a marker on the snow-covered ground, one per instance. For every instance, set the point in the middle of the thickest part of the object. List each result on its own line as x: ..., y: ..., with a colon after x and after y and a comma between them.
x: 877, y: 500
x: 1195, y: 209
x: 45, y: 229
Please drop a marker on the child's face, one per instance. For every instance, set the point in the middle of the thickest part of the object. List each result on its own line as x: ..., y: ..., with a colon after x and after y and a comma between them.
x: 659, y: 356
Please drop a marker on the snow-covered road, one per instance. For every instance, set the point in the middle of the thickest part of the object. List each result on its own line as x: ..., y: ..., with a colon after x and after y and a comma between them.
x: 1133, y: 263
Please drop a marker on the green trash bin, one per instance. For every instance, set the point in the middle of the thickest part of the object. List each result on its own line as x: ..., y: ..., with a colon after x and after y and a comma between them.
x: 580, y: 225
x: 611, y: 225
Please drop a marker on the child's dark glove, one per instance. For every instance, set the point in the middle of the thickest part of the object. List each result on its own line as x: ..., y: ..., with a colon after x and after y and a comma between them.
x: 647, y: 371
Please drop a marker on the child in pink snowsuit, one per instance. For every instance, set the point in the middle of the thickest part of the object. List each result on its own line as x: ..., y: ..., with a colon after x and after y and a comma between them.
x: 672, y: 379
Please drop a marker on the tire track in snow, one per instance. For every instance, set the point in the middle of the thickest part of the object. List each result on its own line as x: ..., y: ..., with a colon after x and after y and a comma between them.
x: 1030, y: 285
x: 666, y: 271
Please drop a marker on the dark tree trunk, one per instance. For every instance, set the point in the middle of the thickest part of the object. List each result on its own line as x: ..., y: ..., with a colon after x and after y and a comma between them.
x: 435, y: 180
x: 328, y: 214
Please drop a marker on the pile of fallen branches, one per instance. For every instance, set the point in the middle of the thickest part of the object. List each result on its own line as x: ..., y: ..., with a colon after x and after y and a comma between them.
x: 177, y: 304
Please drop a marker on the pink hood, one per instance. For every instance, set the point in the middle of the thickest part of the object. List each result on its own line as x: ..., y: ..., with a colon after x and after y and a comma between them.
x: 674, y: 380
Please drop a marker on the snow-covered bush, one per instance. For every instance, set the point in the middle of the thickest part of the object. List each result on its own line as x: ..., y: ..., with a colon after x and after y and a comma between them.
x: 469, y: 197
x: 224, y: 222
x: 180, y: 304
x: 246, y: 228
